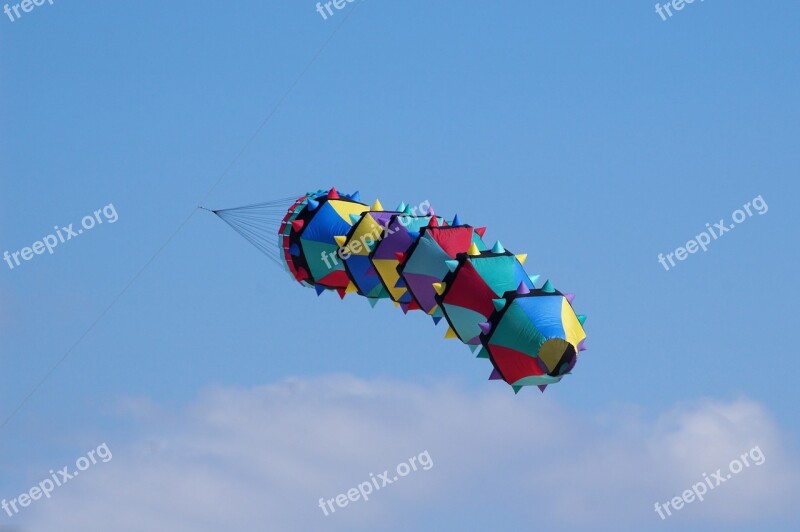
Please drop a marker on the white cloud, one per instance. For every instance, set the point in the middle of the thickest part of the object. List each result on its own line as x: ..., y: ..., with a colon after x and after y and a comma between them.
x: 260, y: 459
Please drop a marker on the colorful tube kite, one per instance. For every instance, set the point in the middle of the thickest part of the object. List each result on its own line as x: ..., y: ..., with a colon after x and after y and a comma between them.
x: 332, y: 241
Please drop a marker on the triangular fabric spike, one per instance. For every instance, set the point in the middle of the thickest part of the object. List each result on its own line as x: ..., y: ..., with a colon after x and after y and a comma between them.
x: 522, y: 289
x: 434, y: 222
x: 570, y: 296
x: 582, y: 318
x: 355, y: 196
x: 436, y: 320
x: 581, y: 345
x: 342, y: 292
x: 376, y: 206
x: 413, y: 235
x: 404, y: 307
x: 354, y: 218
x: 302, y: 274
x: 319, y: 288
x: 495, y: 375
x: 481, y: 231
x: 473, y: 250
x: 499, y: 303
x: 451, y: 265
x: 522, y: 257
x: 312, y: 204
x: 534, y: 279
x: 516, y: 389
x: 396, y: 304
x: 413, y: 305
x: 439, y: 287
x: 473, y: 348
x: 332, y: 194
x: 373, y: 301
x: 400, y: 256
x: 483, y: 353
x: 456, y: 220
x: 485, y: 326
x: 340, y: 240
x: 498, y: 248
x: 407, y: 210
x: 401, y: 207
x: 351, y: 288
x: 450, y: 333
x: 444, y: 222
x: 548, y: 287
x: 542, y: 387
x: 297, y: 225
x: 294, y: 250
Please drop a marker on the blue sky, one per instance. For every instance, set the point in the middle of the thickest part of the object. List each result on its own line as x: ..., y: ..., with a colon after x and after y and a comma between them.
x: 591, y: 136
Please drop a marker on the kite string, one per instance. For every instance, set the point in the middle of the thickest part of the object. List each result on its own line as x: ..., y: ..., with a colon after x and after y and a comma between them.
x: 259, y: 223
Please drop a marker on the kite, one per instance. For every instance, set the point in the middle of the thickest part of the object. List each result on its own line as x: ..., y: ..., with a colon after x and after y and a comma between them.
x: 331, y: 241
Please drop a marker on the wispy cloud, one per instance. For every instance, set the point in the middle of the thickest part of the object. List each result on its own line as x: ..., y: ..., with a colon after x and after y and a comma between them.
x: 260, y: 459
